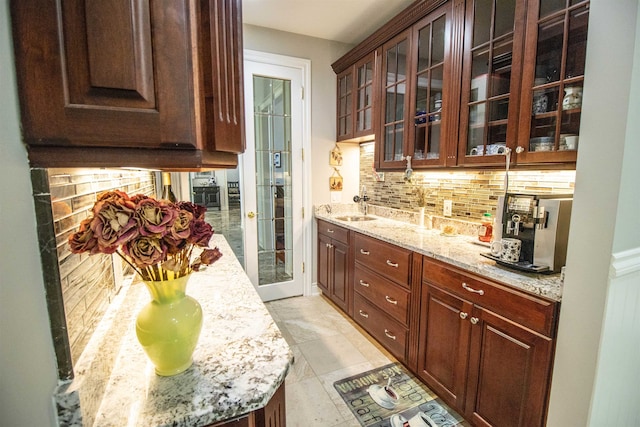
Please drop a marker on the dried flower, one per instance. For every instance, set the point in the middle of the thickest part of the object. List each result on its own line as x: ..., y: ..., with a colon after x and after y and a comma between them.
x: 152, y: 236
x: 421, y: 194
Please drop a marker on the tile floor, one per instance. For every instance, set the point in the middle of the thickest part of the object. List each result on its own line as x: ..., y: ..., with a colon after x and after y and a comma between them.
x: 327, y: 346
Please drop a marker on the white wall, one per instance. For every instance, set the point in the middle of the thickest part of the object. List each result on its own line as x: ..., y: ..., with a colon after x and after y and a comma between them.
x: 596, y: 372
x: 27, y: 361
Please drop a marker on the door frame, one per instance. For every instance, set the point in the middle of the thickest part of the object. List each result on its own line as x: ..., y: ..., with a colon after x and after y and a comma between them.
x: 304, y: 66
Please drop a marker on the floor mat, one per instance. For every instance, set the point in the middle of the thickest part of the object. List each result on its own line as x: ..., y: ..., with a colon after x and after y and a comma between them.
x: 390, y: 396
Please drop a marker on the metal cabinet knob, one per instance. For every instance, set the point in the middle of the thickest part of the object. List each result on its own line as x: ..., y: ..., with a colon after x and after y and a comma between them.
x: 463, y: 315
x: 474, y: 320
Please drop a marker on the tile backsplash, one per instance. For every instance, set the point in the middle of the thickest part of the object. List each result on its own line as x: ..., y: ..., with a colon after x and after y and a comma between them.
x: 88, y: 283
x: 472, y: 192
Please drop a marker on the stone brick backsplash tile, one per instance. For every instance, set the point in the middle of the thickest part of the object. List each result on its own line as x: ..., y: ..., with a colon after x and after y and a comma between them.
x: 472, y: 192
x: 87, y: 281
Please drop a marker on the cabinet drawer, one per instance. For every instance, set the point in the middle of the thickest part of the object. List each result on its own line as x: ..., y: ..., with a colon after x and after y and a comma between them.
x: 391, y: 298
x: 384, y: 258
x: 532, y: 312
x: 333, y: 231
x: 388, y: 332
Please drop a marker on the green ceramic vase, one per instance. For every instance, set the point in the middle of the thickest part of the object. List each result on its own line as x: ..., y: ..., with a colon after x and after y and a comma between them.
x: 169, y: 326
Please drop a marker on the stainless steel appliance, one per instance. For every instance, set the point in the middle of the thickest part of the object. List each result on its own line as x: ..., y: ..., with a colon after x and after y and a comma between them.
x: 541, y: 222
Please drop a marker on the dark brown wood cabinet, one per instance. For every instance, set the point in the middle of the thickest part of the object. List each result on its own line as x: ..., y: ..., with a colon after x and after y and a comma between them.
x: 334, y: 264
x: 382, y: 292
x: 462, y: 80
x: 146, y: 84
x: 484, y: 348
x: 357, y: 90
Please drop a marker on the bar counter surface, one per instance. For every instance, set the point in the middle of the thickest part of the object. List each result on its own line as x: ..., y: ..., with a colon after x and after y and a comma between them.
x: 239, y: 363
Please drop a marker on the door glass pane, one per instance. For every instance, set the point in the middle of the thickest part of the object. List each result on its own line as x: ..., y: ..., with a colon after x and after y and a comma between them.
x: 505, y: 17
x: 272, y: 100
x: 549, y: 6
x: 501, y: 67
x: 577, y: 44
x: 475, y: 138
x: 479, y: 71
x: 482, y: 22
x: 437, y: 43
x: 549, y: 56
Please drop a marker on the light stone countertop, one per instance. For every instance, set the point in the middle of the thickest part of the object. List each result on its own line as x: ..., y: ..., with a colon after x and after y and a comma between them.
x: 240, y: 361
x: 461, y: 250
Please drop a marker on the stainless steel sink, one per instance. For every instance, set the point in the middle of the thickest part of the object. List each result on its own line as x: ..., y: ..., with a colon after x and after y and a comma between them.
x: 354, y: 218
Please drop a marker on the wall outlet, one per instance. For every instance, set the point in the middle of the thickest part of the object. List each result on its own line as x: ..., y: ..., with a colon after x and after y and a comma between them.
x: 336, y: 196
x: 447, y: 207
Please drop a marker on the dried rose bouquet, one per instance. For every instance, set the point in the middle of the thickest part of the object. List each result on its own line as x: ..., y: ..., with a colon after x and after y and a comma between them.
x: 155, y: 237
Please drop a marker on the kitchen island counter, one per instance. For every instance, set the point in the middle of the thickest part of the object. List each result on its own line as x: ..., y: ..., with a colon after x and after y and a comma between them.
x: 240, y: 361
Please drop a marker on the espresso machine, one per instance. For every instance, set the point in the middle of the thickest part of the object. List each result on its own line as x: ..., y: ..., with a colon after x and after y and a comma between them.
x: 541, y: 223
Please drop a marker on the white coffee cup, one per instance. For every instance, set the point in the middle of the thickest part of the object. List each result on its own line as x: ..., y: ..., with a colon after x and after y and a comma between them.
x: 421, y: 420
x: 571, y: 142
x: 388, y: 394
x: 507, y: 249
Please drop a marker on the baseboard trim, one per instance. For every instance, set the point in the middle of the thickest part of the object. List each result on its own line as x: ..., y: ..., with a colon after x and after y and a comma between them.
x: 624, y: 263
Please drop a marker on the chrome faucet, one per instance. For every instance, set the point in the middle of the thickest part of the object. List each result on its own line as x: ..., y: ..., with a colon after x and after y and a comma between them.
x: 362, y: 199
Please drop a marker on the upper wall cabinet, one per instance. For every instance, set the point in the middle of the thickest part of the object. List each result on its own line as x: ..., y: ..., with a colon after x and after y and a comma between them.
x: 552, y: 81
x: 356, y: 93
x: 463, y: 80
x: 491, y: 79
x: 417, y: 93
x: 136, y: 83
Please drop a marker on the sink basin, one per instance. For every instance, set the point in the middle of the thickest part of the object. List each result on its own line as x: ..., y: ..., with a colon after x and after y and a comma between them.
x: 354, y: 218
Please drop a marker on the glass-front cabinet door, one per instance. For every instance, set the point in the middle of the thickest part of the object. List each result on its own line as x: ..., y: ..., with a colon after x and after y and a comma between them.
x: 429, y: 79
x: 356, y: 90
x: 491, y: 80
x: 365, y: 74
x: 551, y: 104
x: 344, y: 114
x: 395, y: 102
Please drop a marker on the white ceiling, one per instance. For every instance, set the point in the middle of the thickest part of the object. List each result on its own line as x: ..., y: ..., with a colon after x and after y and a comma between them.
x: 347, y: 21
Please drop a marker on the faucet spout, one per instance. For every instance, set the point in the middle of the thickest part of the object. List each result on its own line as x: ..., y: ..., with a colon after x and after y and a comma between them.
x: 362, y: 199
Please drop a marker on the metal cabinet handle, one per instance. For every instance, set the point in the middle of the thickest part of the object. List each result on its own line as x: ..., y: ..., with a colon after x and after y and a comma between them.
x: 330, y: 230
x: 363, y: 314
x: 388, y: 334
x: 363, y: 252
x: 474, y: 320
x: 470, y: 289
x: 391, y: 300
x: 392, y: 264
x: 365, y: 284
x: 463, y: 315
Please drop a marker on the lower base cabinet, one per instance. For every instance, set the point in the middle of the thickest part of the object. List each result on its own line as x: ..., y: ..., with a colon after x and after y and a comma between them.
x: 334, y: 264
x: 492, y: 370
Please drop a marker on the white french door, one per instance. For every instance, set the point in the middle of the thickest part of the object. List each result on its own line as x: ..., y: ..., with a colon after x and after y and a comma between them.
x: 272, y: 168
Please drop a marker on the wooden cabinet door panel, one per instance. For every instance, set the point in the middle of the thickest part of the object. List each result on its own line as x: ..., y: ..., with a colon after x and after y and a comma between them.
x: 389, y: 260
x: 103, y: 77
x: 340, y: 274
x: 509, y: 368
x: 387, y: 331
x: 324, y: 262
x: 444, y: 344
x: 391, y: 298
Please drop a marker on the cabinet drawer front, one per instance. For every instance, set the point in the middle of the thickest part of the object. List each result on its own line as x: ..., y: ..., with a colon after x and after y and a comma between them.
x: 334, y: 231
x: 391, y: 298
x: 532, y: 312
x: 388, y: 332
x: 384, y: 258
